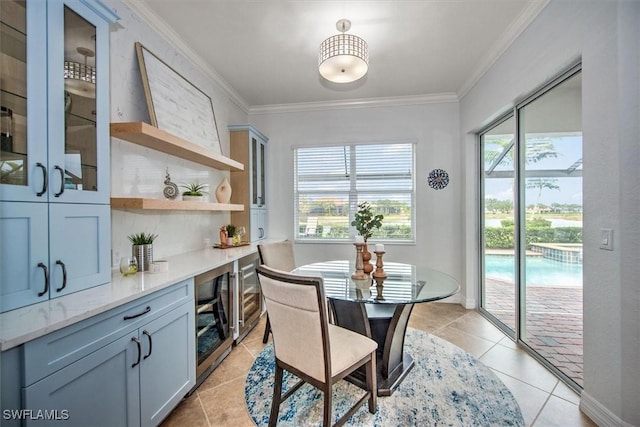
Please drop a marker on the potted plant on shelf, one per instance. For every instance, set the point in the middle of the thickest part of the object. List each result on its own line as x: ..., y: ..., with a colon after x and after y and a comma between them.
x: 194, y: 192
x: 366, y: 223
x: 142, y: 249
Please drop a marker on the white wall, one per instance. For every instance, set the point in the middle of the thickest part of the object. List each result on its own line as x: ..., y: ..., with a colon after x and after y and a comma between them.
x: 434, y: 128
x: 139, y: 171
x: 605, y: 36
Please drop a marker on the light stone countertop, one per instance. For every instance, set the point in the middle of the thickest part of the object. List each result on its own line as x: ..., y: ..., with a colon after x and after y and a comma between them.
x: 27, y: 323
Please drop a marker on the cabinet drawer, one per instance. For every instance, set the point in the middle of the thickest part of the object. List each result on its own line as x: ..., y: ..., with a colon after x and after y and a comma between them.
x: 56, y: 350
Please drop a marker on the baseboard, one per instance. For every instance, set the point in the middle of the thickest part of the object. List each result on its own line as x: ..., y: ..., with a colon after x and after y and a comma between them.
x: 467, y: 303
x: 598, y: 413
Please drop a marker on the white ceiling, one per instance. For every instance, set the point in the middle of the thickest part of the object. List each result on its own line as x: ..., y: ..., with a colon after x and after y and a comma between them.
x: 267, y: 50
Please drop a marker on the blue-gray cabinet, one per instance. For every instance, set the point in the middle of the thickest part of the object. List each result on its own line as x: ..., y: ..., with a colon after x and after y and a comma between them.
x: 129, y: 366
x: 54, y: 153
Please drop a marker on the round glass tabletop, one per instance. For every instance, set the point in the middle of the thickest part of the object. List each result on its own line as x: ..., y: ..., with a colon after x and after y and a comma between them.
x: 404, y: 284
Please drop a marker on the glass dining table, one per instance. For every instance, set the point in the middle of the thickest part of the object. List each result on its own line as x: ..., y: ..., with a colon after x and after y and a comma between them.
x: 379, y: 307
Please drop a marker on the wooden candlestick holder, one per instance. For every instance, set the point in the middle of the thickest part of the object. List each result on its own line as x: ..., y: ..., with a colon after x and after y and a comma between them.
x: 359, y: 274
x: 379, y: 265
x: 379, y: 287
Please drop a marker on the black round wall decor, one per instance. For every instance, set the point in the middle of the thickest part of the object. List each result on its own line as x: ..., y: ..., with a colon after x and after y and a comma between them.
x: 438, y: 179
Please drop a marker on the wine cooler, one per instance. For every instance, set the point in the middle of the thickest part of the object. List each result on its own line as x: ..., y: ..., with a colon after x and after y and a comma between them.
x: 214, y: 319
x: 250, y: 296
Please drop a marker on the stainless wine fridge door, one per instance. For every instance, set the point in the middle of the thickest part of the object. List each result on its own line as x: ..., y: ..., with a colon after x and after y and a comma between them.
x: 249, y: 295
x: 214, y: 319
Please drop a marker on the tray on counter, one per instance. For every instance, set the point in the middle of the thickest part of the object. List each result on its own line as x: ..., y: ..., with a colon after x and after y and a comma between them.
x: 224, y: 246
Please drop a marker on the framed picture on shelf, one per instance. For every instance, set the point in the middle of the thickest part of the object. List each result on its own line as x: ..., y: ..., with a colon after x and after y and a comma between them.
x: 175, y: 104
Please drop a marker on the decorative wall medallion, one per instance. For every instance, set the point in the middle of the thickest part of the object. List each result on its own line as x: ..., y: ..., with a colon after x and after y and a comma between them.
x: 170, y: 189
x: 438, y: 179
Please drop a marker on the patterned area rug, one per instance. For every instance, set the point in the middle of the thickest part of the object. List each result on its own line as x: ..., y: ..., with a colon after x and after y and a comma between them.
x: 447, y: 387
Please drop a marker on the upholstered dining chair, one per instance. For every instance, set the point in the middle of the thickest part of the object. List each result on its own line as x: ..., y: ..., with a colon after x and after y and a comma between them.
x: 308, y: 346
x: 277, y: 255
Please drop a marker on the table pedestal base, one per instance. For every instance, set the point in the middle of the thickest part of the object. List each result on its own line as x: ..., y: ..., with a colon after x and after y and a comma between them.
x: 386, y: 324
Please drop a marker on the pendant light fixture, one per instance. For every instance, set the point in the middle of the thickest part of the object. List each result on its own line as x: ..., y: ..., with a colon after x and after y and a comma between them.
x: 344, y: 58
x: 80, y: 79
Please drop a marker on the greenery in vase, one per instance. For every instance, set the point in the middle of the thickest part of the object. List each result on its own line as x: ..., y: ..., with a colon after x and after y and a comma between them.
x: 365, y: 221
x: 231, y: 230
x: 194, y: 189
x: 142, y: 238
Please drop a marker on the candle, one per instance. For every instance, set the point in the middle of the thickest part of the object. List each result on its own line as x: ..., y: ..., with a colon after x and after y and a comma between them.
x: 359, y: 239
x: 379, y: 247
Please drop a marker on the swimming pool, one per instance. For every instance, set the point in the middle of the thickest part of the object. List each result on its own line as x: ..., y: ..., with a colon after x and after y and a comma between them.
x: 540, y: 271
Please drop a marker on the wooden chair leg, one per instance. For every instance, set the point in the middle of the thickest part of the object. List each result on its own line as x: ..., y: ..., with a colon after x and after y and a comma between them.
x: 328, y: 405
x: 277, y: 396
x: 267, y: 329
x: 372, y: 383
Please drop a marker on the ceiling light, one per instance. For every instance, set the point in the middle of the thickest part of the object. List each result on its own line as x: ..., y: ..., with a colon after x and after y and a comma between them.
x: 80, y: 79
x: 344, y: 58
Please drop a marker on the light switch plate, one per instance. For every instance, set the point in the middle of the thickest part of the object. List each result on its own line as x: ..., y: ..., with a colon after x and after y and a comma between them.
x: 606, y: 239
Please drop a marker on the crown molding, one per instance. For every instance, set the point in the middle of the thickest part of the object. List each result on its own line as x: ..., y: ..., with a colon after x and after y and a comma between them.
x: 507, y: 38
x: 439, y: 98
x: 158, y: 24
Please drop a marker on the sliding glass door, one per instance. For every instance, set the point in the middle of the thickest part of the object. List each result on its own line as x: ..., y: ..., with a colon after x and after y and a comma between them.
x: 532, y: 225
x: 498, y: 217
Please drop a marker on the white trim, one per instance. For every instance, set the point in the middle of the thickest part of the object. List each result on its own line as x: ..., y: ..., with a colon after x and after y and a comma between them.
x: 154, y: 21
x: 508, y: 37
x: 440, y: 98
x: 598, y: 413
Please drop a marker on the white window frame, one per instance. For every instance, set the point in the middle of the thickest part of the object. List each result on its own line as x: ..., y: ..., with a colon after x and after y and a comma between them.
x: 352, y: 194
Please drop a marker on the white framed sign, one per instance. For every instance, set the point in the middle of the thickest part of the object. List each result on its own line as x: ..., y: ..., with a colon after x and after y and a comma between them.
x: 175, y: 104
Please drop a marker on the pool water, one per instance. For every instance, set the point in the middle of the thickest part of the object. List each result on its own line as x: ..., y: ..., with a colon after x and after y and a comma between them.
x: 540, y: 271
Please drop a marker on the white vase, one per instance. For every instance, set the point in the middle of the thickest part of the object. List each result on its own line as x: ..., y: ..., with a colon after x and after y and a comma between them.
x: 188, y: 198
x: 223, y: 192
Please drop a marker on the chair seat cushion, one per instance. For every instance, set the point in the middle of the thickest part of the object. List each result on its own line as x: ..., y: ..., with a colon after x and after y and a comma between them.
x: 347, y: 347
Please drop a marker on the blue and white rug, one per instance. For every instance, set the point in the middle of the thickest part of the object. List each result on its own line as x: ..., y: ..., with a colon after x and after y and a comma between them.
x: 446, y: 387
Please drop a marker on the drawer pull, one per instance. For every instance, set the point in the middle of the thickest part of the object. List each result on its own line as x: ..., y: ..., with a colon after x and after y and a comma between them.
x: 44, y: 180
x: 135, y: 340
x: 64, y: 275
x: 150, y: 344
x: 46, y: 279
x: 133, y: 316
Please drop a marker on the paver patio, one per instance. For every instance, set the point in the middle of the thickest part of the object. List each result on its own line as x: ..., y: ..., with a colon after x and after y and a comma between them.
x: 554, y: 323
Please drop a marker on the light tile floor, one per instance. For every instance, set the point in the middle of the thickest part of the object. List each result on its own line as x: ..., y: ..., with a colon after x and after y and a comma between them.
x: 543, y: 399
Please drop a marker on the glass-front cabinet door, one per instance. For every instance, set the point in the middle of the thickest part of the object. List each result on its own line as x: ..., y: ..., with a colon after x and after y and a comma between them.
x: 78, y: 107
x: 23, y: 149
x: 53, y: 102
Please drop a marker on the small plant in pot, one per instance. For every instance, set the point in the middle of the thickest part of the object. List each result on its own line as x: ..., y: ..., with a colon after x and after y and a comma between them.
x: 142, y: 249
x: 231, y: 232
x: 194, y: 191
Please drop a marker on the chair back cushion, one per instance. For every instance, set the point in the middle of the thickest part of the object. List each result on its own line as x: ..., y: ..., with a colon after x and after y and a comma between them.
x: 297, y: 313
x: 278, y: 255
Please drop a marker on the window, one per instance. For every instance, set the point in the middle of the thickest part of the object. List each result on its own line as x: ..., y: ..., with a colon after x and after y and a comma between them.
x: 331, y: 181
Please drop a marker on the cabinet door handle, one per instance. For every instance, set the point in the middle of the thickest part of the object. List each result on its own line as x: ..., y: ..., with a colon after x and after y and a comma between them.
x: 59, y: 169
x: 46, y: 279
x: 44, y: 179
x: 64, y: 275
x: 242, y: 308
x: 135, y: 340
x: 133, y: 316
x: 261, y: 232
x: 150, y: 344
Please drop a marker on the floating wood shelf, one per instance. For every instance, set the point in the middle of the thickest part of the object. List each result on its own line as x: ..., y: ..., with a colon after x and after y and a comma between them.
x: 151, y: 137
x: 174, y: 205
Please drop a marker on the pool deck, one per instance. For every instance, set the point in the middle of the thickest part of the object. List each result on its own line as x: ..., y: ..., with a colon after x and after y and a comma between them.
x: 554, y: 324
